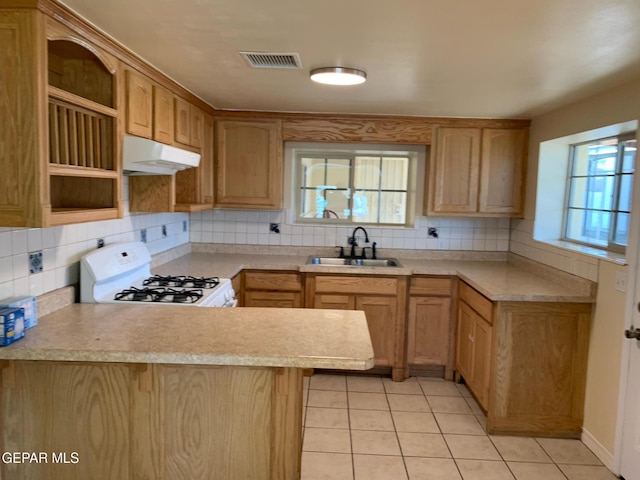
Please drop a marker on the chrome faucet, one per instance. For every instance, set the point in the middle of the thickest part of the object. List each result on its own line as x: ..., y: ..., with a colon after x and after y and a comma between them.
x: 354, y: 243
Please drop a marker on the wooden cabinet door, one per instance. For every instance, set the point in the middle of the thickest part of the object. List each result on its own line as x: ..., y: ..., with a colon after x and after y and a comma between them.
x: 249, y: 164
x: 502, y: 170
x: 428, y: 331
x: 139, y: 104
x: 454, y: 170
x: 182, y: 121
x: 381, y: 316
x: 163, y: 116
x: 335, y: 302
x: 464, y: 341
x: 273, y: 299
x: 481, y: 367
x: 197, y: 127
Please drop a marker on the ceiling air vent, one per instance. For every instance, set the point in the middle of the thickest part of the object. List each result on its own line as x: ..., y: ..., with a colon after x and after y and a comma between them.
x: 272, y: 60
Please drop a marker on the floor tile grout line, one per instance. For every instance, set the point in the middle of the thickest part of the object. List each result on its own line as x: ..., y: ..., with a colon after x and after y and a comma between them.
x: 353, y: 460
x: 395, y: 429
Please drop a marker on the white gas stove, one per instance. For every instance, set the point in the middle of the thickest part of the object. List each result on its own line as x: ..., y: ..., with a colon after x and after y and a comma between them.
x: 121, y: 273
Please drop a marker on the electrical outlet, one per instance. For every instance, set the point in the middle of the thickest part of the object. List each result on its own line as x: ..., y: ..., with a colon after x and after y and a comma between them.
x: 184, y: 226
x: 100, y: 242
x: 621, y: 281
x: 274, y: 227
x: 143, y: 235
x: 35, y: 262
x: 164, y: 231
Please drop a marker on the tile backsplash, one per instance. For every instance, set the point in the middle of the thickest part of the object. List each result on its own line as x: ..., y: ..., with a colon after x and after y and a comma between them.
x: 573, y: 262
x: 254, y: 228
x: 63, y: 246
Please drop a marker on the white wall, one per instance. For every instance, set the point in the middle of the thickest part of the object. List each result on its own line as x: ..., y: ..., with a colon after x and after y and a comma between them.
x: 63, y: 246
x: 603, y: 368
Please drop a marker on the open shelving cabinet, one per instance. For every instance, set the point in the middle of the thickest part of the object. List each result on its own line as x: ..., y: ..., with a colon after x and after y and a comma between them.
x: 60, y: 155
x: 84, y: 179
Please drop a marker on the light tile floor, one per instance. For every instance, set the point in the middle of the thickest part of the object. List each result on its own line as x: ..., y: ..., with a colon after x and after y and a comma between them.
x: 370, y: 428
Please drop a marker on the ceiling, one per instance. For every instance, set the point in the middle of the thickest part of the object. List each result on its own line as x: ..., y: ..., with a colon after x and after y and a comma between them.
x: 453, y: 58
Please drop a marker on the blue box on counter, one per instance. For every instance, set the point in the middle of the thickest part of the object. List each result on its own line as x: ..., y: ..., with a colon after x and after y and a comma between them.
x: 11, y: 325
x: 29, y: 305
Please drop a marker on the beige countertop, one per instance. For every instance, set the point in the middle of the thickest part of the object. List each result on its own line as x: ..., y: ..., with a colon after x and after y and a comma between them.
x: 269, y: 337
x: 498, y: 281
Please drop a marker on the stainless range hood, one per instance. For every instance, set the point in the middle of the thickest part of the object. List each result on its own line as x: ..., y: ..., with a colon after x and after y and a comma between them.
x: 141, y: 156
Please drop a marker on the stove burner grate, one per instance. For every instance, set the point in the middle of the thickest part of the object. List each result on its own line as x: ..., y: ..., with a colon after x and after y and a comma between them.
x: 181, y: 281
x: 159, y: 295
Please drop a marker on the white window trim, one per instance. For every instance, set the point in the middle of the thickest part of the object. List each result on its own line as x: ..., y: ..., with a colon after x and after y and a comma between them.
x: 415, y: 188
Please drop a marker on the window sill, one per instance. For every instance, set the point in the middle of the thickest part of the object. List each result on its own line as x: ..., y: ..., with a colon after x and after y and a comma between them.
x: 613, y: 257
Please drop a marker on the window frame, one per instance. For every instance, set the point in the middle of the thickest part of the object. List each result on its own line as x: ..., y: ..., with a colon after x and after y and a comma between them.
x: 618, y: 174
x: 414, y: 190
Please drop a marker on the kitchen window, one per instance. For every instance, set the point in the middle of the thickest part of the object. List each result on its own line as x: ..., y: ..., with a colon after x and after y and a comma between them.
x: 598, y: 202
x: 355, y: 186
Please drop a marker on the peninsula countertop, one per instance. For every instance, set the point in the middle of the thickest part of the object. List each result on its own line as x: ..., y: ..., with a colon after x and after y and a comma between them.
x: 498, y: 281
x: 264, y: 337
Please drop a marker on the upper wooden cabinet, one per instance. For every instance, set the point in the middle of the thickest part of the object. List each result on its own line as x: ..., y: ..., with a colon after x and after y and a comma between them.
x: 502, y: 171
x: 139, y: 104
x: 197, y: 128
x: 188, y: 124
x: 248, y: 166
x: 163, y: 117
x: 182, y: 122
x: 477, y: 172
x: 60, y: 110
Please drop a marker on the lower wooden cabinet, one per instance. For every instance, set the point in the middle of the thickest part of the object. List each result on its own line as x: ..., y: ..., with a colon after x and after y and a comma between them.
x: 382, y: 300
x: 272, y: 289
x: 430, y: 324
x: 525, y: 362
x: 162, y: 422
x: 474, y: 351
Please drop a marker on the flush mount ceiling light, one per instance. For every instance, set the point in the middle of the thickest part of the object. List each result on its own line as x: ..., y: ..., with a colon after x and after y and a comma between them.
x: 338, y: 76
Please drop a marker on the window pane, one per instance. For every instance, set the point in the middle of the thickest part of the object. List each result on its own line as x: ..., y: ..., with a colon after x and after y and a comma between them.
x: 588, y: 226
x: 393, y: 207
x: 338, y: 172
x: 367, y: 173
x: 622, y: 229
x: 626, y: 186
x: 365, y: 206
x: 592, y: 192
x: 394, y: 173
x: 630, y: 147
x: 324, y: 188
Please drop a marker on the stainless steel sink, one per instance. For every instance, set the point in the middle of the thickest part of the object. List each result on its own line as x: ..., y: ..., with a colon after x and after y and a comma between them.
x: 354, y: 262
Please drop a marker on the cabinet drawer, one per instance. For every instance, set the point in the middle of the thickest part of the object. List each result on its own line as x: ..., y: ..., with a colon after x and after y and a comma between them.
x: 273, y: 299
x: 357, y: 285
x: 479, y: 303
x: 439, y: 287
x: 281, y: 281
